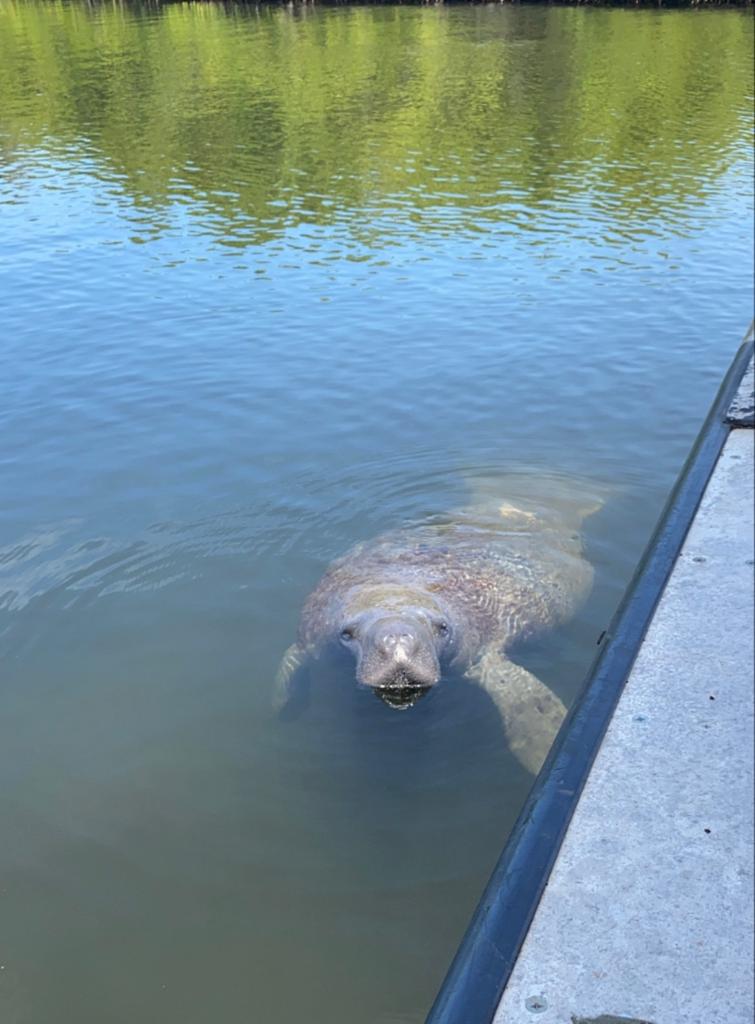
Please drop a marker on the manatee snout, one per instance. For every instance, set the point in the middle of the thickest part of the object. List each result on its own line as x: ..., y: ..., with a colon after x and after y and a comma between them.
x: 396, y: 657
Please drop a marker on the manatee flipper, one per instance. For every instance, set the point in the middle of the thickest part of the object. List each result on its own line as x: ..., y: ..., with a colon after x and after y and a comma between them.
x: 290, y: 691
x: 531, y: 713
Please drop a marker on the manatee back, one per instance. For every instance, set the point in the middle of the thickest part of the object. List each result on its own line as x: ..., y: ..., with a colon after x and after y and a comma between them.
x: 563, y: 502
x: 512, y: 574
x: 510, y: 563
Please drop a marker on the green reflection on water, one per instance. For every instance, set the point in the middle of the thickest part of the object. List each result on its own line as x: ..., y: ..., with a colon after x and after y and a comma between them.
x: 268, y: 118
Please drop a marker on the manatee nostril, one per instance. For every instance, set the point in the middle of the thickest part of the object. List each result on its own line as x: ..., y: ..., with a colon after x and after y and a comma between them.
x: 392, y: 643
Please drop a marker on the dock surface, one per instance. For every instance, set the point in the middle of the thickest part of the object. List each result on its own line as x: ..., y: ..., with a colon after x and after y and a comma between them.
x: 647, y: 915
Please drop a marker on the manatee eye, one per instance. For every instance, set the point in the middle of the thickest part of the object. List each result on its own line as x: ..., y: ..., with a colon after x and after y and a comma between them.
x: 347, y: 634
x: 441, y: 628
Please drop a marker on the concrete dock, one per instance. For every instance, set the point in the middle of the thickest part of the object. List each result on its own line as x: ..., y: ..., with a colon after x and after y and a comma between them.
x: 647, y: 915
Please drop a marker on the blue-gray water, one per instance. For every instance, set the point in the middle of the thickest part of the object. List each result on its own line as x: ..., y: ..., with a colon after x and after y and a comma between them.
x: 273, y: 282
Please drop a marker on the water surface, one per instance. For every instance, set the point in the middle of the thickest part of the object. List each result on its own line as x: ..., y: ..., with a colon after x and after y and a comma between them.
x: 272, y: 282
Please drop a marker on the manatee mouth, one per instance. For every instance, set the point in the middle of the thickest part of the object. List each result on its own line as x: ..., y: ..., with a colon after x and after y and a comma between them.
x: 401, y: 697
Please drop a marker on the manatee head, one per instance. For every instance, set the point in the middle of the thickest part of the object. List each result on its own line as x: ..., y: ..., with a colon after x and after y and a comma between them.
x: 398, y: 646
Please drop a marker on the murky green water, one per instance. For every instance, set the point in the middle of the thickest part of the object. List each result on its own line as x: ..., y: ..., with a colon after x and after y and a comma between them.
x: 272, y: 282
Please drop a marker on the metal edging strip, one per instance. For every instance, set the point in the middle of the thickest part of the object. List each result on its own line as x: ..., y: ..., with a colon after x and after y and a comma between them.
x: 483, y: 963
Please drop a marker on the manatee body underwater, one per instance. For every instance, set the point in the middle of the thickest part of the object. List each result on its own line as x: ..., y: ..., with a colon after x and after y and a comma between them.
x: 459, y: 591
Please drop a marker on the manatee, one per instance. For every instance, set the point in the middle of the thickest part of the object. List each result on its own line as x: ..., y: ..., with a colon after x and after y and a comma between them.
x: 457, y: 592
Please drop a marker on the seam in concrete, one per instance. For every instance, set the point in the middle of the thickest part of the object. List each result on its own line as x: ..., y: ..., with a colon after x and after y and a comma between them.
x: 608, y: 1019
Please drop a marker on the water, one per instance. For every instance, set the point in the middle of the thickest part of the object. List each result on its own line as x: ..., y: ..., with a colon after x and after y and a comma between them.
x: 273, y: 281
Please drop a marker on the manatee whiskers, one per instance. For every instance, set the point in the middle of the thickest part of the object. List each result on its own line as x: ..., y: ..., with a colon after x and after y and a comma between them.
x: 456, y: 593
x: 400, y: 696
